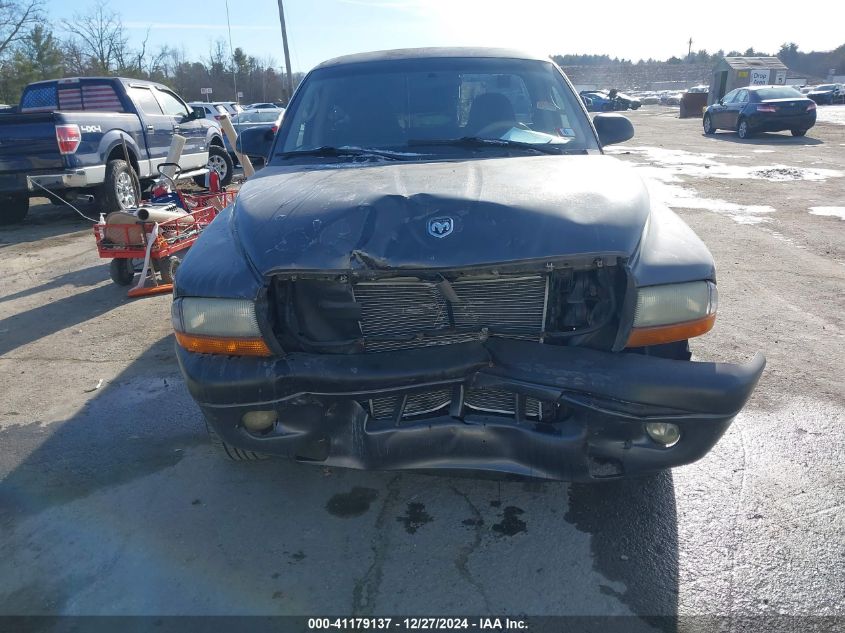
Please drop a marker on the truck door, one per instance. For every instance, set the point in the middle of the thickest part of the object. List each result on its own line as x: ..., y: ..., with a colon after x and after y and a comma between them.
x: 195, y: 153
x: 158, y: 127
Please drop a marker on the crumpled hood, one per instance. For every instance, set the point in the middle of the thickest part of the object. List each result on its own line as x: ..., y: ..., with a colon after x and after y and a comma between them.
x: 377, y: 215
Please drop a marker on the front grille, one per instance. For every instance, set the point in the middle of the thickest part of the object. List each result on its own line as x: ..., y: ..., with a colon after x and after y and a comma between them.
x: 416, y: 404
x: 498, y: 401
x: 404, y: 314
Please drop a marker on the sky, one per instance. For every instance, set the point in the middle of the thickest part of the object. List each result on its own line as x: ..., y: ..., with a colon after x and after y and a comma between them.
x: 322, y: 29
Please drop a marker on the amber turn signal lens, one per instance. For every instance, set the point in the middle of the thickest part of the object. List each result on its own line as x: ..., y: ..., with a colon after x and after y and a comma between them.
x: 659, y: 334
x: 227, y: 346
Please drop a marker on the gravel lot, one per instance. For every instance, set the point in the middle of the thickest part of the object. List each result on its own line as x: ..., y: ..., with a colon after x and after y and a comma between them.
x: 112, y: 501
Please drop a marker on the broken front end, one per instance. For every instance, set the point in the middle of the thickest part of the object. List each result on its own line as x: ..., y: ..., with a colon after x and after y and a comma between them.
x: 559, y: 369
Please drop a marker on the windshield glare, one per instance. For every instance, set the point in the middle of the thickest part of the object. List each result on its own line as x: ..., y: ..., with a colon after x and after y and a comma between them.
x: 384, y: 105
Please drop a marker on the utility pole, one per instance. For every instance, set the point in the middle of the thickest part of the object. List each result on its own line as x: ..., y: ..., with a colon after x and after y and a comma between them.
x: 689, y: 51
x: 232, y: 53
x: 285, y: 45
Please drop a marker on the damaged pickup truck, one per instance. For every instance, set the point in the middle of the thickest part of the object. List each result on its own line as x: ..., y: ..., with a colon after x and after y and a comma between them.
x: 439, y: 269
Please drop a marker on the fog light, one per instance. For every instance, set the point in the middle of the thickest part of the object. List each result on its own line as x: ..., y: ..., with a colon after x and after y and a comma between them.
x: 663, y: 433
x: 259, y: 420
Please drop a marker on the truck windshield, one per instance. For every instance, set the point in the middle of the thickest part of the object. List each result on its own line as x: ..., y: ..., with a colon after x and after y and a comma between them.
x: 396, y: 104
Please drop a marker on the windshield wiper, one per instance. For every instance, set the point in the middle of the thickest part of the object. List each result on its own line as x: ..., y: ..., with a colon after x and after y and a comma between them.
x: 327, y: 150
x: 477, y: 141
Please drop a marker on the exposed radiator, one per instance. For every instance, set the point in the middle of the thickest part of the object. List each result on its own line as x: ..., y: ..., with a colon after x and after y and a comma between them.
x: 437, y: 401
x: 413, y: 313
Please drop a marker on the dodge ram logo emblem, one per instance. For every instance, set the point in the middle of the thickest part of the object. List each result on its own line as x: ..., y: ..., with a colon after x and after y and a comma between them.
x: 440, y: 227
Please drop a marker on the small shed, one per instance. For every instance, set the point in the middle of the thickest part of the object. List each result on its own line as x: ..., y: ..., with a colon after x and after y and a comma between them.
x: 736, y: 72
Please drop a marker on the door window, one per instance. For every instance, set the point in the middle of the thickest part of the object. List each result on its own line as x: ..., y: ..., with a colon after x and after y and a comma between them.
x: 144, y: 100
x: 171, y: 104
x: 742, y: 96
x: 728, y: 98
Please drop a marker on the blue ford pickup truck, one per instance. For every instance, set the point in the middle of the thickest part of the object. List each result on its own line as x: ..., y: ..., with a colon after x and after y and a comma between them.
x: 67, y: 135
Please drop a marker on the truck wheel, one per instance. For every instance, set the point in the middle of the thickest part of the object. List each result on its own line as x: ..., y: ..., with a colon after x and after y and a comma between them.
x: 230, y: 452
x: 121, y: 271
x: 13, y: 209
x: 117, y: 193
x: 220, y: 161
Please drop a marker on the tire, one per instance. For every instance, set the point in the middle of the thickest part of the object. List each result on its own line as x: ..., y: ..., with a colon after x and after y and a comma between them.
x: 798, y: 132
x: 167, y: 268
x: 219, y: 160
x: 230, y: 452
x: 121, y: 271
x: 743, y: 129
x: 708, y: 125
x: 13, y: 209
x: 117, y: 193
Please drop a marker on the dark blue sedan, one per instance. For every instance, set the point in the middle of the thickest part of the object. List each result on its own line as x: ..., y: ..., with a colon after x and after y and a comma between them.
x: 761, y: 109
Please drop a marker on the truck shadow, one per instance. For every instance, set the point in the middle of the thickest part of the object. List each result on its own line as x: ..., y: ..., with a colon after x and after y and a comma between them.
x: 46, y: 319
x: 47, y: 220
x: 128, y: 494
x: 83, y: 278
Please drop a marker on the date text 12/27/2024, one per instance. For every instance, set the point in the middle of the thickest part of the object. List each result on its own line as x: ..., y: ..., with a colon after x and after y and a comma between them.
x: 418, y: 624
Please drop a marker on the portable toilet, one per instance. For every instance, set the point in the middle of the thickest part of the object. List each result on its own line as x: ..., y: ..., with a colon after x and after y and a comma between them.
x: 737, y: 72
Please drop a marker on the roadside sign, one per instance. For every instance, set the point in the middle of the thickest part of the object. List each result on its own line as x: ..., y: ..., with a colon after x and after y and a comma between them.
x: 205, y: 91
x: 759, y: 77
x: 240, y: 95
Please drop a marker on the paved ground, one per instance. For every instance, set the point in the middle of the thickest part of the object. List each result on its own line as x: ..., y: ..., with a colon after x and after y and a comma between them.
x: 112, y: 501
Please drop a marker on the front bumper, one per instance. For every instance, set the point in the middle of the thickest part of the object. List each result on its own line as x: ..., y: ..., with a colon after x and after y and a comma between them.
x: 602, y: 402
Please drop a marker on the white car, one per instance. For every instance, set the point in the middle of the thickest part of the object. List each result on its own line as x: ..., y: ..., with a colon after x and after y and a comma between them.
x: 232, y: 107
x: 210, y: 111
x: 263, y: 106
x: 213, y: 109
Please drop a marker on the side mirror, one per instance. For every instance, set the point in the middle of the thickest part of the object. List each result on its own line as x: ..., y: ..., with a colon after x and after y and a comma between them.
x: 613, y: 128
x: 256, y: 141
x: 721, y: 102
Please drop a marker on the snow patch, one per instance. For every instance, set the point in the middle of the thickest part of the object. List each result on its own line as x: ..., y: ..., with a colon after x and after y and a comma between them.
x: 662, y: 187
x: 704, y: 165
x: 835, y: 212
x: 831, y: 114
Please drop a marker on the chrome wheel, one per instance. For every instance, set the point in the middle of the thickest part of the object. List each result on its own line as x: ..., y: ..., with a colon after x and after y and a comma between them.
x: 125, y: 190
x: 708, y: 125
x: 218, y: 164
x: 742, y: 130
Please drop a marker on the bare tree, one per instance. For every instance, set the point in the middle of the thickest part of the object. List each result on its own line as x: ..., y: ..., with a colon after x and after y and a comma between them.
x: 75, y: 60
x: 101, y: 36
x: 16, y: 18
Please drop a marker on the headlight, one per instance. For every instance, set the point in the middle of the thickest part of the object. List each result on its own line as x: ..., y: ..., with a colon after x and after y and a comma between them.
x: 218, y: 326
x: 673, y: 312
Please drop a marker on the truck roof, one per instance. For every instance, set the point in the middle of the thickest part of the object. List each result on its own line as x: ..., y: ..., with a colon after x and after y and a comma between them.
x: 124, y: 80
x: 430, y: 53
